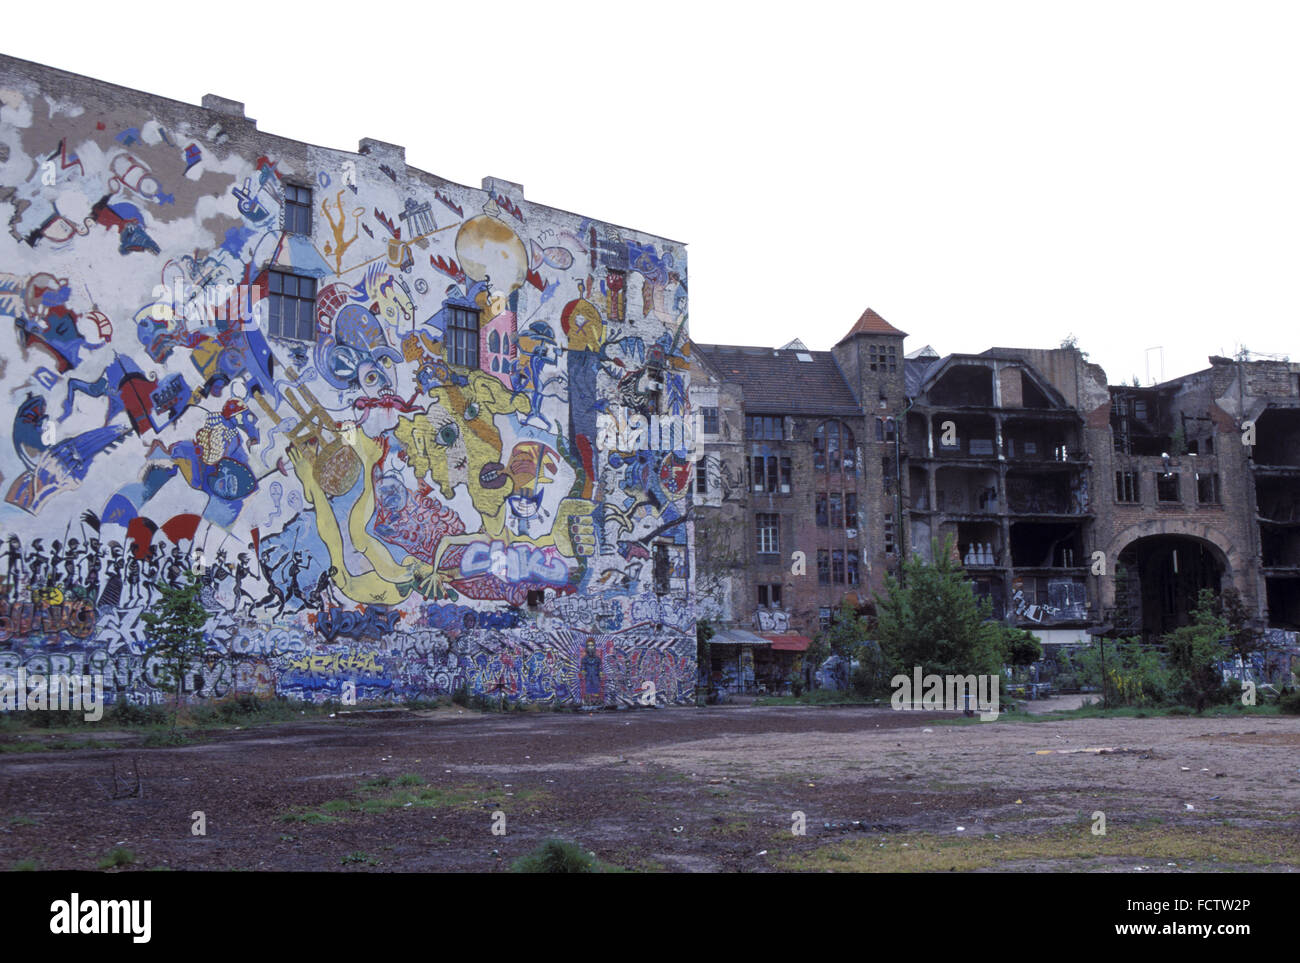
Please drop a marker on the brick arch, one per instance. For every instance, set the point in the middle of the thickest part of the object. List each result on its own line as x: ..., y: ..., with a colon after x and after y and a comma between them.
x: 1226, y: 553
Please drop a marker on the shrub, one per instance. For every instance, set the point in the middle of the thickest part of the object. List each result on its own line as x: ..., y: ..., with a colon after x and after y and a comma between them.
x: 1290, y: 702
x: 1128, y: 672
x: 557, y: 856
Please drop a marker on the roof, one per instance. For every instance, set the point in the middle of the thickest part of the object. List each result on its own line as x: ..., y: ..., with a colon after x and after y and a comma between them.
x: 789, y: 642
x: 782, y: 382
x: 736, y: 637
x: 872, y: 323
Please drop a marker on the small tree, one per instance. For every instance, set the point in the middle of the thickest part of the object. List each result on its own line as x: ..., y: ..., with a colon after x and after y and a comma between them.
x: 936, y: 622
x: 1194, y: 654
x: 703, y: 655
x: 175, y: 624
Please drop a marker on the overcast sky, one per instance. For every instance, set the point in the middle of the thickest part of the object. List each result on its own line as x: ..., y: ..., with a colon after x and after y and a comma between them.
x: 980, y: 173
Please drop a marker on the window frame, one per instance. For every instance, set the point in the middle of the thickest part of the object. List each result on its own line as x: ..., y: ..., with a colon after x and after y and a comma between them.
x: 276, y: 300
x: 767, y: 532
x: 456, y: 356
x: 297, y: 212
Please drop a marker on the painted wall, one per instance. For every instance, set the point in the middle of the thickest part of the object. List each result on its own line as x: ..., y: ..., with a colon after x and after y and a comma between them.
x: 360, y: 510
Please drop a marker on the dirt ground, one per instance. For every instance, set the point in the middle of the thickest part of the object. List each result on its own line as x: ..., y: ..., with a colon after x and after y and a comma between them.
x: 681, y: 789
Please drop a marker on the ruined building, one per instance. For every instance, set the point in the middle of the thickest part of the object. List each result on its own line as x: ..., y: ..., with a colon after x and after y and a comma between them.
x: 357, y: 401
x: 1076, y: 507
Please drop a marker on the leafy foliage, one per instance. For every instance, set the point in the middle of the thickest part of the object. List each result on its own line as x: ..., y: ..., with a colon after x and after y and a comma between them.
x: 1194, y: 653
x: 176, y: 630
x: 932, y: 619
x: 558, y: 856
x: 1128, y: 672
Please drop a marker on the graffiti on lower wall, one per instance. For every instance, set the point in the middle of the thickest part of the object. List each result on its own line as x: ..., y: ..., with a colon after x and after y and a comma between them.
x: 359, y: 403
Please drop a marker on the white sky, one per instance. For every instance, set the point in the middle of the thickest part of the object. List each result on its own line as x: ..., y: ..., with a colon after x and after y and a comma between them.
x: 980, y: 173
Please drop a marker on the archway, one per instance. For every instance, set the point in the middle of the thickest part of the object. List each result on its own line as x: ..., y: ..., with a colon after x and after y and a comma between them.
x: 1159, y: 579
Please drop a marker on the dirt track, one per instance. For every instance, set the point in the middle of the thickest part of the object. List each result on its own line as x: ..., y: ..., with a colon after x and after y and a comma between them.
x: 681, y: 789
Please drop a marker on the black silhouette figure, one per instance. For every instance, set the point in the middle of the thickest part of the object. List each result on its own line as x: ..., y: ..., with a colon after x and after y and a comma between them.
x: 274, y: 592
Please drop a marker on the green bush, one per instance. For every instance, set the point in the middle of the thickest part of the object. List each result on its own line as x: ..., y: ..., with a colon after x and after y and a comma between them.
x: 1290, y: 702
x: 129, y: 714
x: 1128, y: 672
x: 558, y: 856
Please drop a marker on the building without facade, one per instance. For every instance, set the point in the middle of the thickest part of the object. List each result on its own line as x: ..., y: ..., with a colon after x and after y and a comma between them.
x: 1076, y: 507
x: 359, y: 401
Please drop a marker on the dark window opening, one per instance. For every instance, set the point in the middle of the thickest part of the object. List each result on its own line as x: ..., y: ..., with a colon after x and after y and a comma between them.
x: 1207, y: 488
x: 297, y: 209
x: 1128, y: 486
x: 1167, y: 486
x: 462, y: 337
x: 292, y: 308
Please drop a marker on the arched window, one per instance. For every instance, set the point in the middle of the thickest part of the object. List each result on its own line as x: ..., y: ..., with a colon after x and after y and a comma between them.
x: 834, y: 448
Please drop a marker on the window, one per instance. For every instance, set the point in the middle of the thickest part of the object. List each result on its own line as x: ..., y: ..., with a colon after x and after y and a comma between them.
x: 883, y: 357
x: 462, y: 337
x: 833, y: 448
x: 535, y: 598
x: 821, y: 509
x: 292, y: 308
x: 297, y: 209
x: 661, y: 568
x: 769, y: 596
x: 824, y: 619
x: 837, y: 566
x: 851, y: 510
x: 765, y: 427
x: 823, y: 566
x: 768, y: 473
x: 701, y: 477
x: 1207, y: 488
x: 768, y: 529
x: 1128, y: 486
x: 891, y: 547
x: 710, y: 420
x: 837, y: 510
x: 1167, y: 486
x: 853, y: 568
x: 887, y: 472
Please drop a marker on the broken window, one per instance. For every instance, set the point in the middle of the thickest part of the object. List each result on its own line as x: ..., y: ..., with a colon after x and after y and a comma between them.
x: 1128, y: 486
x: 1167, y: 487
x: 1207, y: 488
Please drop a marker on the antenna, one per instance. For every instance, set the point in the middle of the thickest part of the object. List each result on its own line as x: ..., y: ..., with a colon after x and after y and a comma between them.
x: 1161, y: 349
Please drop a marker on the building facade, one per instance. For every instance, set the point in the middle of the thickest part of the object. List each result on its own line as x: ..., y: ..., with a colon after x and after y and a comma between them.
x: 358, y: 401
x: 1076, y: 507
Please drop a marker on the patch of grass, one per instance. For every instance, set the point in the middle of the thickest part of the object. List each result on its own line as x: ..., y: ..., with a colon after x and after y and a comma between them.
x: 21, y: 821
x: 924, y: 852
x: 23, y: 866
x: 117, y: 856
x: 736, y: 827
x: 159, y: 738
x: 359, y: 857
x: 308, y: 817
x: 820, y: 697
x: 38, y: 745
x: 561, y: 856
x: 373, y: 799
x: 1095, y: 711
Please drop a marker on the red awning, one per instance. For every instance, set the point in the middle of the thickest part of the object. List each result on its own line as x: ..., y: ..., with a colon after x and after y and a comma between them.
x: 789, y: 643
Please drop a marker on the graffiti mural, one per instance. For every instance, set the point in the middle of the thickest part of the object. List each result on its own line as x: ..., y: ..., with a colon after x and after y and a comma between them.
x: 357, y: 401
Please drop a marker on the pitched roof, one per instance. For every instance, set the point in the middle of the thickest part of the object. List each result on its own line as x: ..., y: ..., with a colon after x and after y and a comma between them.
x: 871, y: 323
x: 776, y: 381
